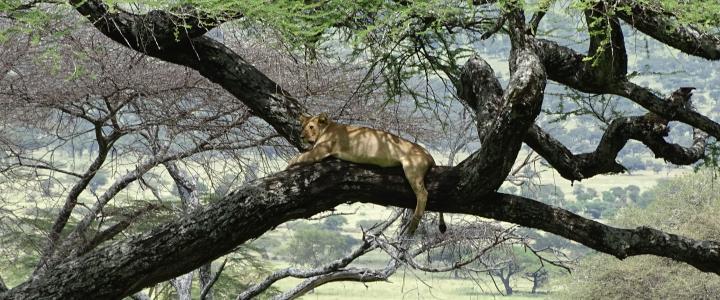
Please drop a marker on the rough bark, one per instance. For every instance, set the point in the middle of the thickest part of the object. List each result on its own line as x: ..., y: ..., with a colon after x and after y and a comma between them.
x: 607, y: 44
x: 602, y: 161
x: 124, y: 267
x: 568, y: 67
x: 508, y: 119
x: 187, y: 189
x: 502, y: 119
x: 664, y: 27
x: 155, y: 35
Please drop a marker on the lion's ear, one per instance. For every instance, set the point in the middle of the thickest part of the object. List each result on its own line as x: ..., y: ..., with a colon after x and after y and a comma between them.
x: 323, y: 118
x: 304, y: 119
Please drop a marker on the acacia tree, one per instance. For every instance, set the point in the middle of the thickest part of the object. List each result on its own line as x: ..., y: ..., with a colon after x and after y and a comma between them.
x: 504, y: 117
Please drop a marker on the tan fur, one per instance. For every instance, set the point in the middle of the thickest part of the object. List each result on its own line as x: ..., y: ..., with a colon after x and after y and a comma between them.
x: 367, y: 146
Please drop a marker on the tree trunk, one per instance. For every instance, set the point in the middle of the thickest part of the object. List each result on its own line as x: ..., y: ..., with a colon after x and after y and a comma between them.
x: 506, y: 284
x: 183, y: 286
x: 187, y: 189
x: 536, y: 283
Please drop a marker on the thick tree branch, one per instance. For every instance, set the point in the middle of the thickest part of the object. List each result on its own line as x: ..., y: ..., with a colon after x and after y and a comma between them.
x: 607, y: 44
x: 210, y: 58
x: 503, y: 117
x: 125, y: 267
x: 644, y: 129
x: 667, y: 109
x: 666, y: 28
x: 567, y: 67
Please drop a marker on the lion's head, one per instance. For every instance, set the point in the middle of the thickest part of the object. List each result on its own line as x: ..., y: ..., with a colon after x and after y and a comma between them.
x: 312, y: 127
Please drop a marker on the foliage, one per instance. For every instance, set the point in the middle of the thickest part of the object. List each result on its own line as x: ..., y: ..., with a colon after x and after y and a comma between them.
x: 334, y: 223
x: 688, y: 206
x: 314, y: 244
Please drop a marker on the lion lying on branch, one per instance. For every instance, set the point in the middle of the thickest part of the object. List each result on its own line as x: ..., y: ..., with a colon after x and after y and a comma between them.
x: 368, y: 146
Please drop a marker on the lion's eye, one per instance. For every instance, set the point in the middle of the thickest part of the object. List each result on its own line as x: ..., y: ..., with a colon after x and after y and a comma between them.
x: 311, y: 127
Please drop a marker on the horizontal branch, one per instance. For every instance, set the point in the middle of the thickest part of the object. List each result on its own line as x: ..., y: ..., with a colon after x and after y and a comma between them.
x: 349, y: 274
x: 125, y: 267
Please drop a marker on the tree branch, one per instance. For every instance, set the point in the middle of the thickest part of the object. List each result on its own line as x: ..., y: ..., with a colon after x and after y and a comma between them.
x: 210, y: 58
x: 665, y: 27
x: 331, y: 267
x: 125, y: 267
x: 568, y: 67
x: 115, y: 229
x: 104, y: 144
x: 349, y: 274
x: 644, y: 129
x: 209, y: 285
x: 607, y: 44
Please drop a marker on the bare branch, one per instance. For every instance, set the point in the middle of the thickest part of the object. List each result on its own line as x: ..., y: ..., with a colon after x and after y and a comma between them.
x: 349, y: 274
x: 115, y: 229
x: 212, y: 59
x: 329, y: 268
x: 209, y: 285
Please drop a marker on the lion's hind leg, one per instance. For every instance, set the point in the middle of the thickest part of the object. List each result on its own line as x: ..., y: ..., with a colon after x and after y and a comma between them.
x: 415, y: 172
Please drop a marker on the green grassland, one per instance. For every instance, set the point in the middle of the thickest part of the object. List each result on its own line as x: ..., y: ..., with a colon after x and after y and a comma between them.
x: 408, y: 284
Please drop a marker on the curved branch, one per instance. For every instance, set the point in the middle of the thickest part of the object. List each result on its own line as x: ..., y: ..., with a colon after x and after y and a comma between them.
x: 667, y: 109
x: 664, y: 27
x: 568, y: 67
x: 349, y: 274
x: 210, y: 58
x: 329, y: 268
x: 125, y: 267
x: 508, y: 117
x: 644, y: 129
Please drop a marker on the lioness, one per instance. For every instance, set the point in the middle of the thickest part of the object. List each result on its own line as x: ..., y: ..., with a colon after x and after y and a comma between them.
x: 368, y: 146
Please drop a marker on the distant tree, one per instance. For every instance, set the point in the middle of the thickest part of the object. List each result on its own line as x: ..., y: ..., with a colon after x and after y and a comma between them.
x: 688, y: 205
x: 633, y: 193
x: 582, y: 194
x: 518, y: 262
x: 312, y: 245
x: 334, y: 223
